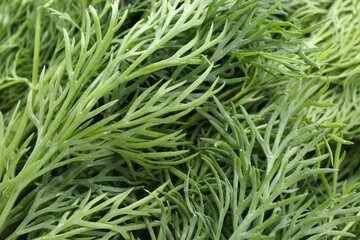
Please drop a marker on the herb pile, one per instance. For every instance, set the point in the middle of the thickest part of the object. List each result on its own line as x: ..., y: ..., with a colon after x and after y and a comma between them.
x: 179, y: 119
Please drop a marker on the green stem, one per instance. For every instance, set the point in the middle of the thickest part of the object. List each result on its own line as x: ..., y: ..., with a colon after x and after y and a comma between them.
x: 36, y: 49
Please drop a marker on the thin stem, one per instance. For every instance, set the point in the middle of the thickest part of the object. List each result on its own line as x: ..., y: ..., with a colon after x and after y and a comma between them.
x: 36, y: 49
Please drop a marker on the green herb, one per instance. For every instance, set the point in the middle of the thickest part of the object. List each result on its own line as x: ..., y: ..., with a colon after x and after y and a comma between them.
x: 178, y: 119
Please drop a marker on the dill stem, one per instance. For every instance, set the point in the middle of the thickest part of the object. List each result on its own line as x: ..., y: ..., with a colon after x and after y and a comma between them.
x: 36, y: 48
